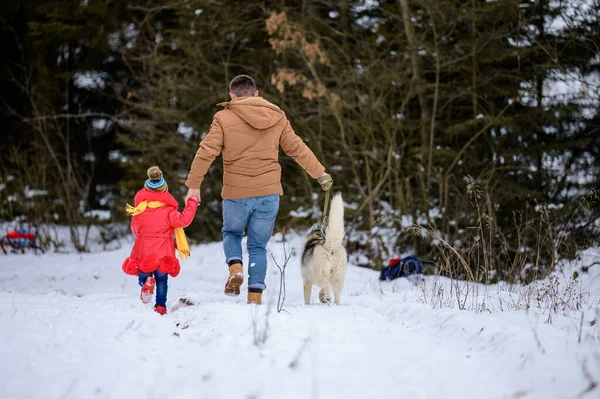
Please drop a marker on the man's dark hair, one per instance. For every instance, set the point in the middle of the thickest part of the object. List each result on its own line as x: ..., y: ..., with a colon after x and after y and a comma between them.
x: 242, y: 86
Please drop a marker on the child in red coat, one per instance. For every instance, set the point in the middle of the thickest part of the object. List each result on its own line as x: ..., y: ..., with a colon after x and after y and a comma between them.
x: 155, y: 220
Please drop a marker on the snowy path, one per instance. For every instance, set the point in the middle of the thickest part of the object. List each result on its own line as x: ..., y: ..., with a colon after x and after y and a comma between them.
x: 73, y: 327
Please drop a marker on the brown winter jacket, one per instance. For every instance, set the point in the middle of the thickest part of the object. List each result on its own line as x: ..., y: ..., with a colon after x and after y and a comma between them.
x: 249, y: 132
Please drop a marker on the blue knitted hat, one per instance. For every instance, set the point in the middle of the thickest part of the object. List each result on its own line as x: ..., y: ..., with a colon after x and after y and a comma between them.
x: 156, y: 181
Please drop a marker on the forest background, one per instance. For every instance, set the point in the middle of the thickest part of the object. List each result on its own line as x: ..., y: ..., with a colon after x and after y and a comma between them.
x: 452, y: 127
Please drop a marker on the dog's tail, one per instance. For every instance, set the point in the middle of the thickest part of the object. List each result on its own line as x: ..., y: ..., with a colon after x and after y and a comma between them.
x: 335, y: 225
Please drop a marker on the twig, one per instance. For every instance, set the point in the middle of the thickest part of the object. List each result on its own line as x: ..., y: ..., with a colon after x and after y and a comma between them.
x: 435, y: 235
x: 287, y: 256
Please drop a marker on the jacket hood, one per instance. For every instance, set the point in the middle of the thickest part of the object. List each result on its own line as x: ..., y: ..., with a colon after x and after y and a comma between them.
x: 255, y: 111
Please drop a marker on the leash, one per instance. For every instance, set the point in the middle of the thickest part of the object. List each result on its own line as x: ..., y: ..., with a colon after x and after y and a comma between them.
x: 325, y: 212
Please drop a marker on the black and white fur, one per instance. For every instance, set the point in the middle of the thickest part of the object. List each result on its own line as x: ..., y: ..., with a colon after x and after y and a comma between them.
x: 324, y: 257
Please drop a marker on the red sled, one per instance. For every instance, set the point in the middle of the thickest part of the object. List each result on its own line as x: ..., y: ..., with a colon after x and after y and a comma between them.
x: 18, y: 240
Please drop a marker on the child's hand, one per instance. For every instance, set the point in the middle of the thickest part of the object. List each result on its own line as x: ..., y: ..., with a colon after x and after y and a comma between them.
x: 193, y: 193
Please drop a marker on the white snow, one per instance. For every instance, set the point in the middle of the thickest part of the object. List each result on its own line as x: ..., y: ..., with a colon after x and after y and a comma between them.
x: 131, y: 32
x: 101, y: 214
x: 573, y: 14
x: 365, y: 5
x: 31, y: 192
x: 116, y: 155
x: 573, y: 87
x: 114, y: 41
x: 366, y: 21
x: 101, y: 124
x: 186, y: 130
x: 301, y: 213
x: 72, y: 326
x: 90, y: 80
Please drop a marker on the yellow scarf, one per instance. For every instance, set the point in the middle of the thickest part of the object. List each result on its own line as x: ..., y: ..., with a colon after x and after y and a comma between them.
x: 182, y: 246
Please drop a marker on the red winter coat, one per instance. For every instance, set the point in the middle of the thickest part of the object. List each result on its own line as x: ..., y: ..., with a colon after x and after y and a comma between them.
x: 154, y: 246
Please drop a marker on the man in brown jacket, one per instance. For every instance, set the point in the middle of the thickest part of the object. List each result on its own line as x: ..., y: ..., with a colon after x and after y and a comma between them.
x: 249, y: 131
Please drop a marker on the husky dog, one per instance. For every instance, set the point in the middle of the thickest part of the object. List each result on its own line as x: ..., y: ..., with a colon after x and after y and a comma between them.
x: 324, y: 257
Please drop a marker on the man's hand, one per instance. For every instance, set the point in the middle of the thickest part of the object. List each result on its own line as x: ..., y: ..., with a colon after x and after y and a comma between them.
x: 193, y: 193
x: 325, y: 181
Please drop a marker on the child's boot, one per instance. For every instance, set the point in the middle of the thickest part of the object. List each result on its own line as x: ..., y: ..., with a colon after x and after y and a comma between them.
x: 235, y: 280
x: 161, y: 310
x: 147, y: 290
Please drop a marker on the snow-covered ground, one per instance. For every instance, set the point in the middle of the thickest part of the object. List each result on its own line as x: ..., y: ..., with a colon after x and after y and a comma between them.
x: 72, y: 326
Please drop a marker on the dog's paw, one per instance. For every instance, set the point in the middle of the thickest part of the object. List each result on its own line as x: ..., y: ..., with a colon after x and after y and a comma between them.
x: 325, y: 300
x: 324, y: 297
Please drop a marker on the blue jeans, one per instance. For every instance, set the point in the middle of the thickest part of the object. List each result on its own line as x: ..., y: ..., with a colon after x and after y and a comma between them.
x: 258, y: 214
x: 161, y: 285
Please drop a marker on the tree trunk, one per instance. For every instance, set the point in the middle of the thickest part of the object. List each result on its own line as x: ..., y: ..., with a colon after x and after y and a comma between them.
x: 418, y: 82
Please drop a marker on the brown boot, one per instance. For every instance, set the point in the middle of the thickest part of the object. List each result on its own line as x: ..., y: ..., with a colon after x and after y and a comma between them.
x: 235, y: 280
x: 255, y: 298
